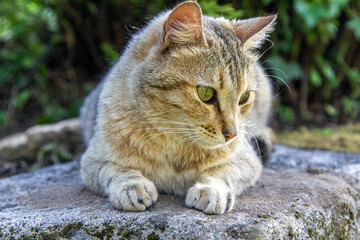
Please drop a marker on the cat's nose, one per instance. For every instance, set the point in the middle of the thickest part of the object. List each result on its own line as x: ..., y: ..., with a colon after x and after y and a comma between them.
x: 229, y: 135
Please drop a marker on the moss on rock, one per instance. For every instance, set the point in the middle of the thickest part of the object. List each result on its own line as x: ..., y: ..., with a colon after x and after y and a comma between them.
x: 342, y: 139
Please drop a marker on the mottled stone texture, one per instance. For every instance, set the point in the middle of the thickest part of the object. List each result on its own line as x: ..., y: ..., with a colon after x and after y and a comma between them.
x: 27, y: 144
x: 301, y: 195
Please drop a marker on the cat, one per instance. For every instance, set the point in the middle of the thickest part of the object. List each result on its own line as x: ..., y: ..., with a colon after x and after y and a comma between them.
x: 177, y: 111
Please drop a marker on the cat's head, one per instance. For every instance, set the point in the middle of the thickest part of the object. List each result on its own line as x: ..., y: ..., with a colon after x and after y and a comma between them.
x: 202, y: 75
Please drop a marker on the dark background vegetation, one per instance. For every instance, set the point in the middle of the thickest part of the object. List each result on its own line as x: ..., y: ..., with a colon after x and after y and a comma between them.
x: 53, y: 52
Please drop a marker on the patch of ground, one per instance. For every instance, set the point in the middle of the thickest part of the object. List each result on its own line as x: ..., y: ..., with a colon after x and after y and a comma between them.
x: 342, y: 139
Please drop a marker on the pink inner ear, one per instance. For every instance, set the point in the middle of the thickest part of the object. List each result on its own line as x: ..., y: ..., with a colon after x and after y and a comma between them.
x: 187, y: 13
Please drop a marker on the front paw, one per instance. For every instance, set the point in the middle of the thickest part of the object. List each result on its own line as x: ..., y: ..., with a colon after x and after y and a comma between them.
x: 134, y: 195
x: 210, y: 199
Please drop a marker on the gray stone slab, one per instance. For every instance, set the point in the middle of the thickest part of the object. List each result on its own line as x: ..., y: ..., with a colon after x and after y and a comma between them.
x: 290, y: 201
x: 285, y: 158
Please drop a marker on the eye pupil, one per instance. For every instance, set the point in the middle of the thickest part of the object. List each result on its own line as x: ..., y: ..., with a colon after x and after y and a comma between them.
x: 205, y: 93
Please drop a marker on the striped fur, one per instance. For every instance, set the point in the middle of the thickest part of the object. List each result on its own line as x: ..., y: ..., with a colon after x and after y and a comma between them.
x: 148, y: 131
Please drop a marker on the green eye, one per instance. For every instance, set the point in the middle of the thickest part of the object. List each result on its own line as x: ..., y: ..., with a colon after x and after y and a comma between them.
x: 206, y: 93
x: 244, y: 97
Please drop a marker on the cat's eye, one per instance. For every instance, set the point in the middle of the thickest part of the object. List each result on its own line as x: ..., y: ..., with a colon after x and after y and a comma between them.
x: 205, y: 93
x: 244, y: 98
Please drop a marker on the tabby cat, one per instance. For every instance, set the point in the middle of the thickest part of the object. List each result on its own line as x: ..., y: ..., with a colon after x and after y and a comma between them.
x: 177, y: 111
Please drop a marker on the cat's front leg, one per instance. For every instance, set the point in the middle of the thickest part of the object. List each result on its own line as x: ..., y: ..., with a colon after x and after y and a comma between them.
x: 126, y: 188
x: 217, y: 187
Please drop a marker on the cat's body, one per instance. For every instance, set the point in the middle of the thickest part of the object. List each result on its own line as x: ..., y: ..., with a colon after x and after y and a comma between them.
x: 147, y: 129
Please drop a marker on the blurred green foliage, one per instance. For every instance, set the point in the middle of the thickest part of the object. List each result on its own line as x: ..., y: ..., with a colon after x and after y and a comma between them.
x: 52, y: 53
x: 214, y: 9
x: 28, y: 33
x: 51, y: 153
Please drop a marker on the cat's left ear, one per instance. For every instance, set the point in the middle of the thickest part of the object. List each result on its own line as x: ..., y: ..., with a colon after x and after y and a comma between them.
x: 254, y: 31
x: 184, y: 25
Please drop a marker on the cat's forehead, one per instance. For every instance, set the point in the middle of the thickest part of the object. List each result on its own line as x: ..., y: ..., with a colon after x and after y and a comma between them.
x: 218, y: 67
x: 210, y: 68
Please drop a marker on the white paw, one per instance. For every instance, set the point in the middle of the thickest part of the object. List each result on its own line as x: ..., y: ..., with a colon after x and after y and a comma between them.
x: 134, y: 195
x: 210, y: 199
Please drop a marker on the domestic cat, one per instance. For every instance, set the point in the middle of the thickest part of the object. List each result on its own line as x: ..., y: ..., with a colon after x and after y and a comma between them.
x: 177, y: 111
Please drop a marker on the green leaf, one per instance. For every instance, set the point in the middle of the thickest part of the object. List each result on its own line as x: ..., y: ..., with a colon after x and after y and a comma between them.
x: 212, y: 8
x: 53, y: 113
x: 286, y: 114
x: 313, y: 12
x: 110, y: 52
x: 315, y: 78
x: 326, y: 70
x: 350, y: 106
x: 354, y: 25
x: 331, y: 110
x: 22, y: 98
x: 267, y: 2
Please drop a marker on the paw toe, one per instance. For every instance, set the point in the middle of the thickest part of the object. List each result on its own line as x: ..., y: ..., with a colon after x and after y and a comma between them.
x: 209, y: 199
x: 134, y: 196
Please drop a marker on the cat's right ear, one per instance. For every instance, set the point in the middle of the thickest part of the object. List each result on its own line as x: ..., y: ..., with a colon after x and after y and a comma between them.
x: 252, y: 32
x: 184, y: 26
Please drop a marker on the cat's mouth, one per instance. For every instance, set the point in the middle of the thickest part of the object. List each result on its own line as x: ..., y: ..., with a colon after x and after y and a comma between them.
x: 211, y: 138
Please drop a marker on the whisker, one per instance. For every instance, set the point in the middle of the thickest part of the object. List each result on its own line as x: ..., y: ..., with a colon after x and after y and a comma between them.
x: 278, y: 94
x: 179, y: 140
x: 195, y: 139
x: 257, y: 144
x: 186, y: 139
x: 156, y: 135
x: 182, y: 123
x: 168, y: 120
x: 264, y: 62
x: 278, y: 69
x: 161, y: 125
x: 272, y: 44
x: 159, y: 129
x: 253, y: 126
x: 287, y: 85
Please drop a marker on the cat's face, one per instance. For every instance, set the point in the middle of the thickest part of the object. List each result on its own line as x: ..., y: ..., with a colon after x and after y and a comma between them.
x: 203, y: 94
x: 199, y: 84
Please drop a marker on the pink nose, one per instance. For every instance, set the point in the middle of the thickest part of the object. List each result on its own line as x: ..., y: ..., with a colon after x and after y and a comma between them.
x: 229, y: 135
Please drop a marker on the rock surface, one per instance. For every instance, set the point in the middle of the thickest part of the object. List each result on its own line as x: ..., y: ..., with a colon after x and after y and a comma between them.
x: 301, y: 195
x: 28, y: 143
